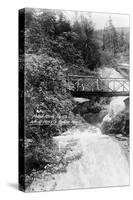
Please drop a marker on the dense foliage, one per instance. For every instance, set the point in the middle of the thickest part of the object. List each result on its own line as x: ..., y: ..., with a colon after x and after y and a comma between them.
x: 54, y: 47
x: 73, y: 43
x: 47, y: 101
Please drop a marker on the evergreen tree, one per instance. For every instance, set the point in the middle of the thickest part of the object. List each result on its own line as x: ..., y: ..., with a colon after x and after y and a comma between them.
x: 86, y: 42
x: 110, y: 38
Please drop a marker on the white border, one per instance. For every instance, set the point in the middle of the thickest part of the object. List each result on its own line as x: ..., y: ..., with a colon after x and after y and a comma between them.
x: 9, y: 97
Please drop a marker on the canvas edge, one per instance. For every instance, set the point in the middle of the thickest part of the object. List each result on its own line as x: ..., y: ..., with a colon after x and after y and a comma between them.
x: 21, y: 54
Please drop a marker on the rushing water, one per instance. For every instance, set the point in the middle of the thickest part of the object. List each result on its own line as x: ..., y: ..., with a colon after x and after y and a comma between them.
x: 96, y: 161
x: 101, y: 165
x: 117, y: 104
x: 101, y: 162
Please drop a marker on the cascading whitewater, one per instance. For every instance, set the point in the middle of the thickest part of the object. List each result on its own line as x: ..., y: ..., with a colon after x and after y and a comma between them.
x: 117, y: 104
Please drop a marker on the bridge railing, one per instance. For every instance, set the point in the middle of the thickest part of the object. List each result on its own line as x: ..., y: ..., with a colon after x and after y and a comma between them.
x: 90, y: 83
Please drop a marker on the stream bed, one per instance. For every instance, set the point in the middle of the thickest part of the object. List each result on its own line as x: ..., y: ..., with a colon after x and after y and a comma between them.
x: 90, y: 158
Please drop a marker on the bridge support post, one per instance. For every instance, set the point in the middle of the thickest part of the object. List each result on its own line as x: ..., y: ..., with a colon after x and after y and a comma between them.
x: 114, y: 85
x: 97, y: 84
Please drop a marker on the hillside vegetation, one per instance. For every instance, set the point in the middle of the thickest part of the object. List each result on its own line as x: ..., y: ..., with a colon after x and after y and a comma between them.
x: 55, y: 47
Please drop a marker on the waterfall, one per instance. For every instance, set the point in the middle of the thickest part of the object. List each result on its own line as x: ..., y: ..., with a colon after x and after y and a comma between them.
x: 117, y: 104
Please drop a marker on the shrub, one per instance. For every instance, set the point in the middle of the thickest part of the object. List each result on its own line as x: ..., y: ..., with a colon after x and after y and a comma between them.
x: 45, y: 94
x: 118, y: 125
x: 37, y: 156
x: 47, y: 102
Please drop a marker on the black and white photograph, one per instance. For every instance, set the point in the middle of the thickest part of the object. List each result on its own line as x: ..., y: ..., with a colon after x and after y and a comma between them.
x: 74, y: 94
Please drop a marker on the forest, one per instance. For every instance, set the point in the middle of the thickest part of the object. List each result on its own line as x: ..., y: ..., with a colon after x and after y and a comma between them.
x: 54, y: 47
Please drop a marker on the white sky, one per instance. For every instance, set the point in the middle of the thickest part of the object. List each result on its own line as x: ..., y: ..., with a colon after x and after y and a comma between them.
x: 101, y: 19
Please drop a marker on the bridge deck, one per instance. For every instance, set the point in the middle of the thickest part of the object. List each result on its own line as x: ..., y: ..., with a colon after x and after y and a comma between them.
x: 86, y: 94
x: 84, y: 86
